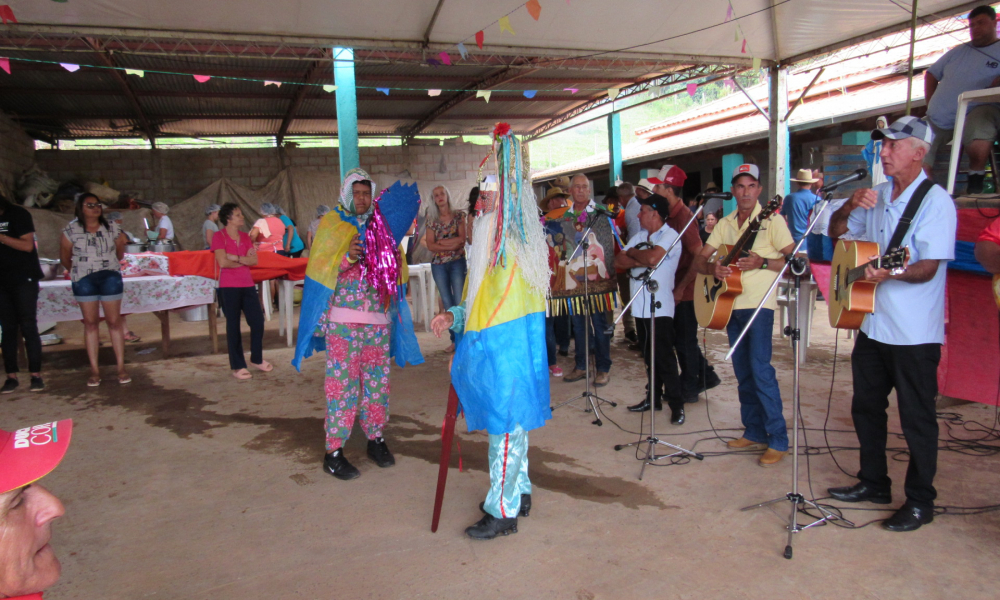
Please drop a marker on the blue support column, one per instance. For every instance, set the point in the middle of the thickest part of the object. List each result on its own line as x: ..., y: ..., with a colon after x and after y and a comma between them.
x: 614, y: 148
x: 347, y: 109
x: 729, y: 164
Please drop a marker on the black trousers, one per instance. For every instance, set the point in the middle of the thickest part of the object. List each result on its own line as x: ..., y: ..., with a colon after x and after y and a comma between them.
x: 234, y: 301
x: 18, y: 310
x: 667, y: 383
x: 695, y: 370
x: 912, y: 371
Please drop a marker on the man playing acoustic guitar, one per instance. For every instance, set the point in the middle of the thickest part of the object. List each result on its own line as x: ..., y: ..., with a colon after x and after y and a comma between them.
x: 899, y: 345
x: 760, y: 398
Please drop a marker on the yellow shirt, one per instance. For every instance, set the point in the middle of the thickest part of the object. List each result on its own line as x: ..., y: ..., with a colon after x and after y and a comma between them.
x: 772, y: 237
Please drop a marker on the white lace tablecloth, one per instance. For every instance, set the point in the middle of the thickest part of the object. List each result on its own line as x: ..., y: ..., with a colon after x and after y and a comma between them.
x: 142, y: 294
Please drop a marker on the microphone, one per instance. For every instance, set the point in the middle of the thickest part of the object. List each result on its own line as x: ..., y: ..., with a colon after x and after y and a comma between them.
x: 855, y: 176
x: 718, y: 195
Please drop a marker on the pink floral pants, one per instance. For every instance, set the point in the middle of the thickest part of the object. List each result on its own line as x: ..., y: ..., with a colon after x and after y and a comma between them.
x: 357, y: 381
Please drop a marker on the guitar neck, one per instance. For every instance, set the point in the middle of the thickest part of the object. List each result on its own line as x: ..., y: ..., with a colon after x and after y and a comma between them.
x: 859, y: 272
x: 740, y: 243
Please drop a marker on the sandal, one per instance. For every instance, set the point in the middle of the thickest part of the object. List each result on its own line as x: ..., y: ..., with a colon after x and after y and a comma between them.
x: 264, y: 366
x: 449, y: 349
x: 123, y: 379
x: 242, y: 374
x: 93, y: 381
x: 132, y: 338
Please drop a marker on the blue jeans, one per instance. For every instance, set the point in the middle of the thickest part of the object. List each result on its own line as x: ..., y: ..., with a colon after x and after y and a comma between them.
x: 760, y: 397
x: 106, y: 286
x: 450, y: 281
x: 599, y: 340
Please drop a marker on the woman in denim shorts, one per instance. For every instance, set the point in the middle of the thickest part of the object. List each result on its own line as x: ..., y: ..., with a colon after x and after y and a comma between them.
x: 90, y: 249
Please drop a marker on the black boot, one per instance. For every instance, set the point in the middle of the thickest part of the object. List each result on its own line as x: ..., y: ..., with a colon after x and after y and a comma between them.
x: 379, y: 452
x: 525, y: 506
x: 677, y: 415
x: 336, y: 464
x: 489, y: 527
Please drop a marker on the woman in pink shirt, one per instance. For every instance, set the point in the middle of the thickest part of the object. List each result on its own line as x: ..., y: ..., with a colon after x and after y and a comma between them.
x: 235, y: 254
x: 268, y: 230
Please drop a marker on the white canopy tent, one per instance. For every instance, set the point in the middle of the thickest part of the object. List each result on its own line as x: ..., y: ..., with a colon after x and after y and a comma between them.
x: 697, y: 31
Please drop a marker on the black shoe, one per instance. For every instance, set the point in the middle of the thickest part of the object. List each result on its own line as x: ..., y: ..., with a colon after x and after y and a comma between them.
x: 379, y: 452
x: 37, y: 385
x: 564, y: 352
x: 691, y: 398
x: 860, y: 492
x: 711, y: 380
x: 489, y: 527
x: 975, y: 184
x: 635, y: 347
x: 643, y: 406
x: 631, y: 337
x: 336, y: 464
x: 525, y: 506
x: 677, y: 416
x: 908, y: 518
x: 9, y: 386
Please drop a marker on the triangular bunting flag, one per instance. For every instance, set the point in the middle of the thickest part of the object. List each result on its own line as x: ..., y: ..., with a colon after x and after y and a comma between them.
x: 613, y: 93
x: 7, y: 14
x: 534, y: 9
x: 383, y: 90
x: 202, y: 78
x: 571, y: 90
x: 445, y: 58
x: 274, y: 83
x: 656, y: 90
x: 756, y: 63
x: 136, y: 72
x: 692, y: 88
x: 462, y: 50
x: 505, y: 24
x: 70, y: 67
x: 329, y: 88
x: 729, y: 14
x: 5, y: 64
x: 479, y: 39
x: 736, y: 34
x: 484, y: 94
x: 433, y: 92
x: 530, y: 93
x: 434, y: 62
x: 744, y: 49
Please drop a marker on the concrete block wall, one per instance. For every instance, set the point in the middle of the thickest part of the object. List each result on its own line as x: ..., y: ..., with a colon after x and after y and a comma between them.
x: 175, y: 175
x: 17, y: 152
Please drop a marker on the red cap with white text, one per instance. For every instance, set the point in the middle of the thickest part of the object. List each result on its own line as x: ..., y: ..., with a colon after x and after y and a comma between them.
x: 745, y: 169
x: 28, y: 454
x: 670, y: 175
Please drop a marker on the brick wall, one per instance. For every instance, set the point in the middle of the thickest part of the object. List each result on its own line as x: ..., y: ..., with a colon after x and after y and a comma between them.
x: 175, y: 175
x: 16, y: 154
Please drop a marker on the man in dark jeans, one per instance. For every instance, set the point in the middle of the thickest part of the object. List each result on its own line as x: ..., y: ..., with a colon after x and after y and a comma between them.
x: 899, y: 345
x: 20, y: 274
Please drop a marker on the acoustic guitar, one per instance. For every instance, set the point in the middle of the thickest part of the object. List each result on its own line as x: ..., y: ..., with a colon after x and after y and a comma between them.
x: 714, y: 298
x: 851, y: 296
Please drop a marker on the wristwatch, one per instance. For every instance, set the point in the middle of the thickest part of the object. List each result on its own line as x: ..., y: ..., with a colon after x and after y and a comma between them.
x: 763, y: 265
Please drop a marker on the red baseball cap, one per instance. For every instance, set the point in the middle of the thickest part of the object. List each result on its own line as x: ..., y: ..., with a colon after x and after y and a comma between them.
x: 670, y: 175
x: 31, y: 453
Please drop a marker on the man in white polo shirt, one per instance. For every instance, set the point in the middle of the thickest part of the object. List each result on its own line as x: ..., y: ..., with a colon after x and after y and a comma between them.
x: 899, y: 345
x: 644, y: 250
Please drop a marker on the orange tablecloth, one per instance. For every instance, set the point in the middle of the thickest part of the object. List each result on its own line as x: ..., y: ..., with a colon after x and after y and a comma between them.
x: 269, y: 265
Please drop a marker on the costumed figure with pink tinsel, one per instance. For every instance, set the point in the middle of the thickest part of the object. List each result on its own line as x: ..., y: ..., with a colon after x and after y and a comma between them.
x: 354, y: 305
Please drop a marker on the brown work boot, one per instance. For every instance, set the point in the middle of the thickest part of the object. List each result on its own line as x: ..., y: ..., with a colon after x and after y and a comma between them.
x: 745, y: 444
x: 771, y: 457
x: 602, y: 379
x: 574, y: 375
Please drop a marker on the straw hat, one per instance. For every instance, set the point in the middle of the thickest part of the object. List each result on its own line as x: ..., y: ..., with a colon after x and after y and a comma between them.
x: 804, y: 176
x: 555, y: 192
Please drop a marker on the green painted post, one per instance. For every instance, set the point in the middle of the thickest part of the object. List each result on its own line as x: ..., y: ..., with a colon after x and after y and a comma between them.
x: 729, y: 164
x: 614, y: 148
x: 347, y: 109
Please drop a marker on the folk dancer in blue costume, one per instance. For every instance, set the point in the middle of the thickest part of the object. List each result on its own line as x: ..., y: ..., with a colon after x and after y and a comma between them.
x: 500, y: 370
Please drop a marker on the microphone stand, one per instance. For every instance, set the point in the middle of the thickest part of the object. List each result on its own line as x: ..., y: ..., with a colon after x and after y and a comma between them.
x: 650, y: 457
x: 798, y: 267
x: 593, y: 400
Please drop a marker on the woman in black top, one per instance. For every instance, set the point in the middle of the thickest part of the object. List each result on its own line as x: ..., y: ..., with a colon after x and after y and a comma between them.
x: 20, y: 273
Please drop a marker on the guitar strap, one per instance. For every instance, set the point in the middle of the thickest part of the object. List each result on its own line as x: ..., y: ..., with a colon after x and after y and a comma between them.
x: 911, y: 210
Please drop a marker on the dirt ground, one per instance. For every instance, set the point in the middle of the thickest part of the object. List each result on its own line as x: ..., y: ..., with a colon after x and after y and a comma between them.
x: 189, y: 484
